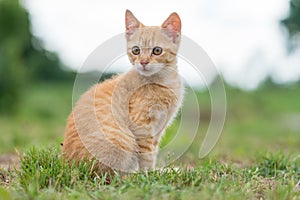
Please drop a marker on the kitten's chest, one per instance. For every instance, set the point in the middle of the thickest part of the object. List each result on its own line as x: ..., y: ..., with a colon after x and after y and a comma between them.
x: 149, y: 102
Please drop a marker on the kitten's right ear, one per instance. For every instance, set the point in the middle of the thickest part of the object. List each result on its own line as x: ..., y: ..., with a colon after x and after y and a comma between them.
x: 131, y: 23
x: 172, y: 26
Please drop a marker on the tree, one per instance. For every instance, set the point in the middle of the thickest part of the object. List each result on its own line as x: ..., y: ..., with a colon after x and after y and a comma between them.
x: 292, y: 24
x: 14, y: 41
x: 20, y: 60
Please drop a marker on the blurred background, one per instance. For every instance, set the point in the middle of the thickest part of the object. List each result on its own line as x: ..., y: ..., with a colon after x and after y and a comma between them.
x: 254, y: 44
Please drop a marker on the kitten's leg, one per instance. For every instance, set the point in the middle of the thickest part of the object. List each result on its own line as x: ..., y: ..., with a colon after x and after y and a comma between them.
x: 147, y: 152
x: 117, y: 152
x: 148, y: 141
x: 115, y: 147
x: 110, y: 155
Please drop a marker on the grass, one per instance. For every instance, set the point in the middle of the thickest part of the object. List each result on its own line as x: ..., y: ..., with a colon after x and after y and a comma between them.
x: 44, y: 175
x: 256, y: 157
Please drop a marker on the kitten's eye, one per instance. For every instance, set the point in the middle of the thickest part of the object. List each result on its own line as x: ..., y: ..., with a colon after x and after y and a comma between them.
x: 135, y: 50
x: 157, y: 50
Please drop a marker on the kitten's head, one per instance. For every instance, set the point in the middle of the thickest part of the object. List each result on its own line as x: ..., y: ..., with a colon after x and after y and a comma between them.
x: 152, y: 48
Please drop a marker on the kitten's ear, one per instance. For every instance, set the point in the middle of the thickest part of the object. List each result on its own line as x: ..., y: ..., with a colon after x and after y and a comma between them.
x: 172, y: 26
x: 131, y: 23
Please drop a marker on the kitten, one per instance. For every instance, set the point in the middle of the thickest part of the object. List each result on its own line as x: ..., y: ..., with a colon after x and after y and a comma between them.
x: 120, y: 122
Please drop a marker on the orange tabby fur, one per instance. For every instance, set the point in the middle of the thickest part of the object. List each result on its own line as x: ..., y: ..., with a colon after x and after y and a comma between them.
x: 120, y: 122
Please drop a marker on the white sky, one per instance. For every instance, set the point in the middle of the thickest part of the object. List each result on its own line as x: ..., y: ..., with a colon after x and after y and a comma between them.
x: 243, y: 38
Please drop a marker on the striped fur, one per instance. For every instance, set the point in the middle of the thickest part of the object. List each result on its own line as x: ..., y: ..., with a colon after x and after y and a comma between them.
x: 120, y: 122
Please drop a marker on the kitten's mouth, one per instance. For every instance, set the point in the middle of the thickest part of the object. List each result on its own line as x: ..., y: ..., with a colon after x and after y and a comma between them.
x: 148, y: 70
x: 145, y: 71
x: 143, y: 67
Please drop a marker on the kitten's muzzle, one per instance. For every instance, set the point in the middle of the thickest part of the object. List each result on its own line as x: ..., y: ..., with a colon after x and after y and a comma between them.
x: 144, y: 63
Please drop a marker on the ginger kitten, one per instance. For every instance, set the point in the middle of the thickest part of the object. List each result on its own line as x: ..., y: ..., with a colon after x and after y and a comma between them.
x: 120, y: 122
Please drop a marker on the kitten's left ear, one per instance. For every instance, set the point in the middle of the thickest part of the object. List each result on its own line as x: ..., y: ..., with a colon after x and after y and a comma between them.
x: 172, y: 26
x: 132, y: 23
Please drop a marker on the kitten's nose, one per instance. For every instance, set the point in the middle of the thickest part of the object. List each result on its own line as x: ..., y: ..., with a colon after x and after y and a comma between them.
x: 144, y: 63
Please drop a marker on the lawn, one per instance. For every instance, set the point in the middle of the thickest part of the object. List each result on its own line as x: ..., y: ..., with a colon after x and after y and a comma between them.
x: 257, y: 155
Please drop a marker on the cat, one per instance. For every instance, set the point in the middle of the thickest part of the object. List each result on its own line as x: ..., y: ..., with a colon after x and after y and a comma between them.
x: 121, y: 121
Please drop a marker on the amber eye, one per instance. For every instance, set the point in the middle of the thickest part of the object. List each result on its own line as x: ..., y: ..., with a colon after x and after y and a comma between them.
x: 135, y: 50
x: 157, y: 50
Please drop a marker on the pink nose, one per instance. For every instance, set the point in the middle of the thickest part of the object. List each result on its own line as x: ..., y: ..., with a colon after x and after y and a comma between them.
x: 144, y: 62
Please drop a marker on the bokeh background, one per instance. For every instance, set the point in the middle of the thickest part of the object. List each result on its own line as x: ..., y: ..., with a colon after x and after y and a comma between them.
x: 254, y: 44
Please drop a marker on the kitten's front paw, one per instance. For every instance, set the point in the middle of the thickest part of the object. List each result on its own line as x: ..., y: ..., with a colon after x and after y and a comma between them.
x: 158, y: 115
x: 134, y: 165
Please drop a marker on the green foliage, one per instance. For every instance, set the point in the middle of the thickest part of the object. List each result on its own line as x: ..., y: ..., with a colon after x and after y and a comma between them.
x: 292, y: 22
x: 44, y: 65
x: 14, y: 40
x: 22, y: 56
